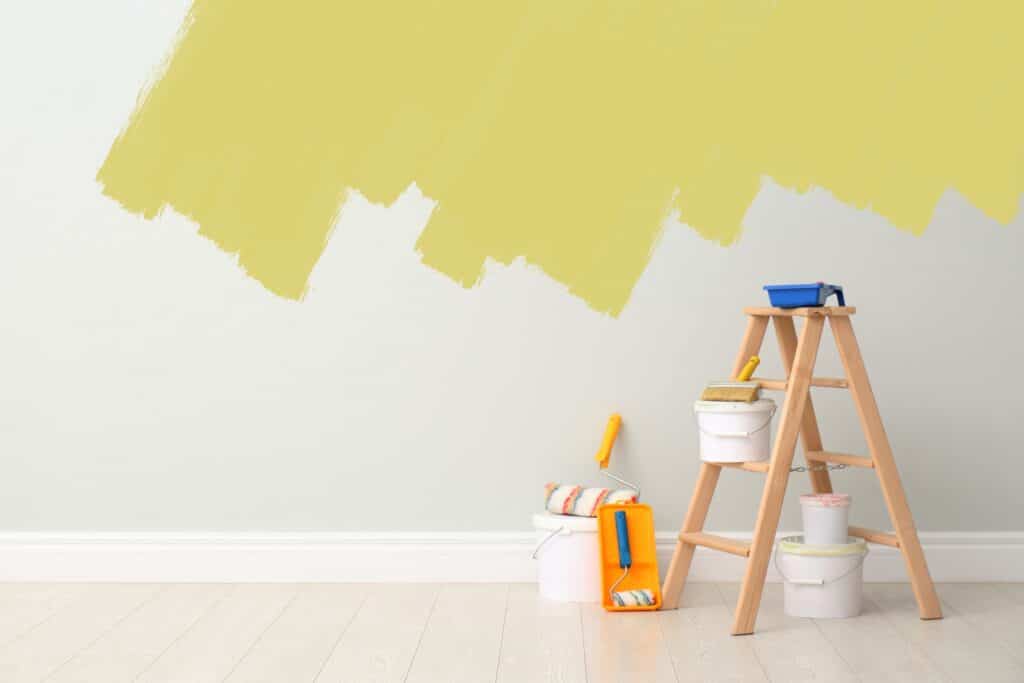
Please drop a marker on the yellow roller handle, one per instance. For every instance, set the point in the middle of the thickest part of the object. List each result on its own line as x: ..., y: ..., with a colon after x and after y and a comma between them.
x: 748, y: 370
x: 604, y: 454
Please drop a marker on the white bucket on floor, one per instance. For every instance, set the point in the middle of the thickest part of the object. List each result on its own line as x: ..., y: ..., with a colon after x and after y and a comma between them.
x: 821, y: 581
x: 568, y: 557
x: 826, y: 517
x: 733, y: 431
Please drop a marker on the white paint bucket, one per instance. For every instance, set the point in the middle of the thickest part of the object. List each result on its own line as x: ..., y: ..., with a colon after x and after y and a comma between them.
x: 821, y: 581
x: 733, y: 431
x: 568, y: 557
x: 826, y: 517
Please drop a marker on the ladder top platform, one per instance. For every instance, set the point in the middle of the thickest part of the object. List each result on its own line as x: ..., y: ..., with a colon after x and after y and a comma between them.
x: 808, y: 312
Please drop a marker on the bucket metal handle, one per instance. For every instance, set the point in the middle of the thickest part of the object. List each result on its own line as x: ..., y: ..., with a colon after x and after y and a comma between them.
x: 739, y: 435
x: 629, y: 485
x: 816, y: 582
x: 556, y: 532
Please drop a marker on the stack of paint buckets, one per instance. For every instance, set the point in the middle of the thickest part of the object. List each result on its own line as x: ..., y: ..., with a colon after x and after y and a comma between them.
x: 823, y: 570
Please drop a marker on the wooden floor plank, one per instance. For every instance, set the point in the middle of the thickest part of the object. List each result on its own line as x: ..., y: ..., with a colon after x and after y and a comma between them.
x: 790, y: 649
x: 960, y: 649
x: 483, y: 632
x: 877, y: 651
x: 463, y: 635
x: 379, y: 643
x: 127, y: 649
x: 1014, y: 590
x: 45, y: 648
x: 299, y: 642
x: 624, y: 647
x: 991, y: 607
x: 542, y: 639
x: 210, y: 649
x: 23, y: 606
x: 698, y: 640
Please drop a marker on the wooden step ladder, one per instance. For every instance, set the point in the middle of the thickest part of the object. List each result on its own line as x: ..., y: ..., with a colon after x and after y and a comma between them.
x: 798, y: 420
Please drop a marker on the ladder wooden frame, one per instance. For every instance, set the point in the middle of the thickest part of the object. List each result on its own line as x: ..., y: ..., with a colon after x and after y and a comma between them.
x: 798, y: 420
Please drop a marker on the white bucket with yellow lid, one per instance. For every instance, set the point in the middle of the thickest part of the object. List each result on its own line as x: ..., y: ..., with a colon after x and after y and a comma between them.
x: 821, y: 581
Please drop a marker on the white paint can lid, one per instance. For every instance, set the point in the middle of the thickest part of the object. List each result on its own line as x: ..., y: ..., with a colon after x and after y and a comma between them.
x: 545, y: 521
x: 761, y: 405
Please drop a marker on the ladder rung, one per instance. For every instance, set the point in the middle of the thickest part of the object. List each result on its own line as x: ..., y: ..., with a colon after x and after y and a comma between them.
x: 726, y: 545
x: 875, y: 536
x: 752, y: 466
x: 780, y: 384
x: 829, y: 382
x: 840, y: 458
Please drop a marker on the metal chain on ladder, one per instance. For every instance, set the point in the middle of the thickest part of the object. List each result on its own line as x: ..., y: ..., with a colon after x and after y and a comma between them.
x: 817, y: 468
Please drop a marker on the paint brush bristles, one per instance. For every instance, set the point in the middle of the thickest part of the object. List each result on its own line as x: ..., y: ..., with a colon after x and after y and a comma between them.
x: 747, y: 392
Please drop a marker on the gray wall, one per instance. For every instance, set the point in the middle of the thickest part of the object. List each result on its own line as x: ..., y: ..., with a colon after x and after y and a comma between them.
x: 135, y: 398
x: 147, y: 384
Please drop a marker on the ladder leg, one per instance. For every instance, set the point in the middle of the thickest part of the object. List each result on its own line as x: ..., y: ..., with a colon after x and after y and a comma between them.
x: 679, y: 568
x: 751, y: 344
x: 810, y: 435
x: 797, y: 391
x: 888, y: 476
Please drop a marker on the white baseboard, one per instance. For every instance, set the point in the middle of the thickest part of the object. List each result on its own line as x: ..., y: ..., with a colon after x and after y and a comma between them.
x: 417, y: 557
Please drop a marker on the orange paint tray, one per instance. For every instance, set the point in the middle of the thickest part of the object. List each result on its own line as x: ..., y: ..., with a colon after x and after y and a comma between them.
x: 644, y: 572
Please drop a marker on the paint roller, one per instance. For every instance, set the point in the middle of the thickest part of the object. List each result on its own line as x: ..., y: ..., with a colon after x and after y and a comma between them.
x: 571, y: 499
x: 630, y: 598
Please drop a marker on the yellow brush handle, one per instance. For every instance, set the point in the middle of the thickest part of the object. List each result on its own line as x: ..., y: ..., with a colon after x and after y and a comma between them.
x: 610, y: 432
x: 748, y: 370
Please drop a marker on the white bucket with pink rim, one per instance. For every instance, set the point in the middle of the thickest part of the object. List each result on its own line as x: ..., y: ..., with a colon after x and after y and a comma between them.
x: 826, y: 517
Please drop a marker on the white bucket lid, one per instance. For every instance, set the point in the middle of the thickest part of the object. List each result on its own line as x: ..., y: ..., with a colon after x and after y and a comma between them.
x: 794, y: 545
x: 545, y: 521
x: 761, y: 405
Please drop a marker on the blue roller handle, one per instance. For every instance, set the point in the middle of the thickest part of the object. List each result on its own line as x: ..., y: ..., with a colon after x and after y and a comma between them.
x: 622, y: 531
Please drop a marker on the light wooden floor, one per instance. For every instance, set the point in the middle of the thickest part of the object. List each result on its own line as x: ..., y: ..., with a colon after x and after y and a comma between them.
x: 193, y: 633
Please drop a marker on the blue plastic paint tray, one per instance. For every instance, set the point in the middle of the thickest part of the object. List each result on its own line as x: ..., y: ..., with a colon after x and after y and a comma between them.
x: 797, y: 296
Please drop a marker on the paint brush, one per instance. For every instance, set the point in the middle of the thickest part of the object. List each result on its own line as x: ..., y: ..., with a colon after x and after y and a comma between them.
x: 740, y: 389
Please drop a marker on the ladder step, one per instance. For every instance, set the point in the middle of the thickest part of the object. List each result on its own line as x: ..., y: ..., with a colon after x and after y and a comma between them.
x: 752, y: 466
x: 875, y: 536
x: 840, y: 459
x: 780, y: 384
x: 726, y: 545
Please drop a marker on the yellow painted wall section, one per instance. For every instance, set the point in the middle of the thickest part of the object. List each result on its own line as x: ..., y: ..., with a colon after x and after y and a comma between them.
x: 565, y: 132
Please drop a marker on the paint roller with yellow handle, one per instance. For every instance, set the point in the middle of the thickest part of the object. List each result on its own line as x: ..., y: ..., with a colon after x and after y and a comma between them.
x: 604, y: 453
x: 582, y: 501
